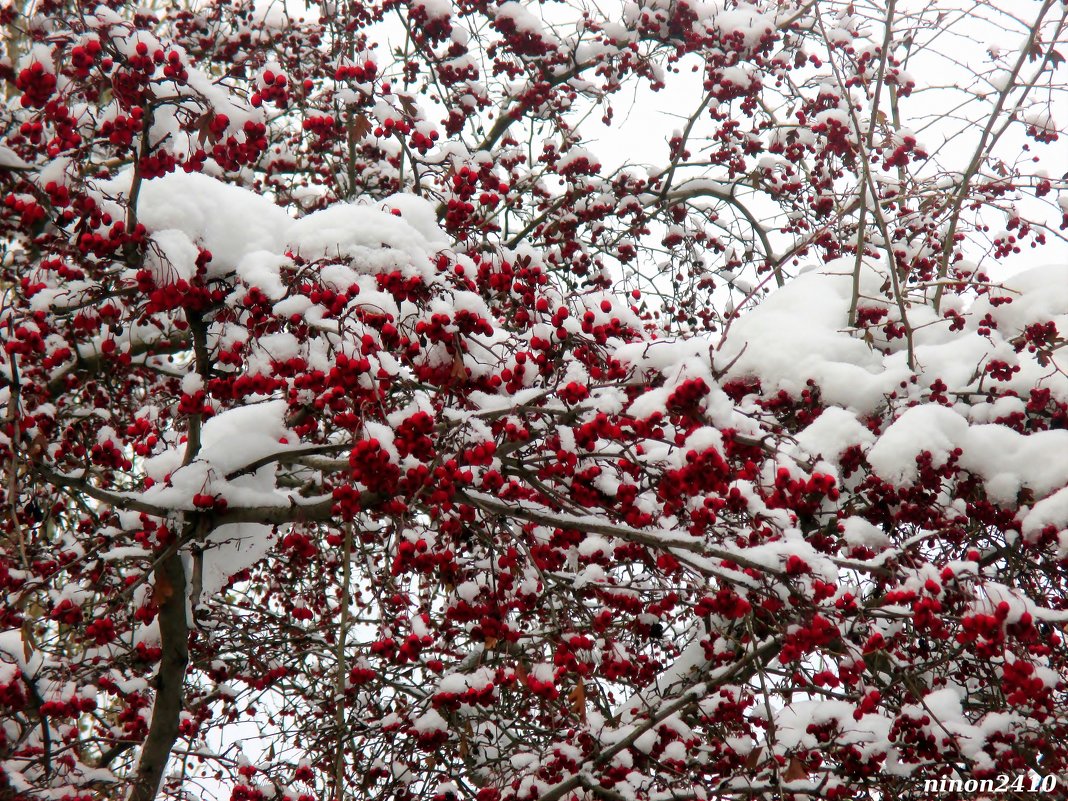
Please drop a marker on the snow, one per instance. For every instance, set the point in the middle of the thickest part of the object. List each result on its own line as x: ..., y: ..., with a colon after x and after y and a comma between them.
x: 647, y: 741
x: 230, y: 441
x: 376, y: 240
x: 436, y: 9
x: 833, y: 432
x: 594, y: 545
x: 192, y: 383
x: 543, y: 672
x: 1007, y: 459
x: 687, y: 663
x: 1038, y: 294
x: 931, y: 427
x: 747, y: 21
x: 1050, y: 511
x: 859, y: 532
x: 870, y: 735
x: 430, y: 721
x: 798, y: 333
x: 420, y: 215
x: 262, y: 269
x: 942, y: 705
x: 229, y: 221
x: 737, y: 76
x: 15, y: 651
x: 1010, y: 461
x: 229, y: 549
x: 239, y: 436
x: 11, y: 160
x: 575, y: 154
x: 459, y: 683
x: 467, y: 591
x: 247, y: 233
x: 521, y: 18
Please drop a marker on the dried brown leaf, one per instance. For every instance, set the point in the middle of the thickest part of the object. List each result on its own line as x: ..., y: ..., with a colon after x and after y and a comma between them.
x: 577, y: 697
x: 408, y: 105
x: 796, y: 770
x: 359, y: 126
x: 753, y: 759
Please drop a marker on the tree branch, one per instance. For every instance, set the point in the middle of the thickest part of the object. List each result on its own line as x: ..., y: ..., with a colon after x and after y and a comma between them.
x: 170, y: 679
x: 696, y: 693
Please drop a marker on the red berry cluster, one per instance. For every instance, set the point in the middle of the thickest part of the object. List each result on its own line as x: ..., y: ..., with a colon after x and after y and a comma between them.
x: 37, y: 85
x: 371, y: 466
x: 274, y: 89
x: 358, y: 73
x: 84, y: 56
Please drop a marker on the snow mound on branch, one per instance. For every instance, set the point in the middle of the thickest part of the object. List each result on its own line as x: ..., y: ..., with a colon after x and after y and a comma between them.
x: 251, y: 238
x: 231, y: 441
x: 263, y: 269
x: 11, y: 160
x: 429, y: 722
x: 176, y: 257
x: 247, y: 232
x: 870, y: 735
x: 1051, y: 511
x: 799, y: 333
x: 229, y: 549
x: 229, y: 221
x: 932, y: 428
x: 1006, y: 459
x: 374, y: 238
x: 800, y: 337
x: 241, y: 436
x: 833, y: 432
x: 747, y: 22
x: 420, y: 215
x: 1038, y: 294
x: 521, y: 20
